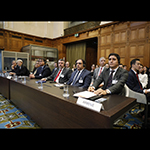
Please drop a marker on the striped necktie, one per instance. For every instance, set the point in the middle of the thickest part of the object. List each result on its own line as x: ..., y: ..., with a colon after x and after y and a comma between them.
x: 57, y: 76
x: 76, y: 77
x: 110, y: 79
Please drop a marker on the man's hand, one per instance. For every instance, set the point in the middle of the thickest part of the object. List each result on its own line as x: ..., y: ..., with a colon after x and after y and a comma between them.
x: 12, y: 73
x: 43, y: 79
x: 91, y: 89
x: 100, y: 92
x: 32, y: 76
x: 146, y: 91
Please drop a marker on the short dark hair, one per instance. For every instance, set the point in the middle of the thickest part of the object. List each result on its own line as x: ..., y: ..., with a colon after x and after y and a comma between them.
x: 134, y: 61
x: 43, y: 59
x: 117, y: 56
x: 61, y: 60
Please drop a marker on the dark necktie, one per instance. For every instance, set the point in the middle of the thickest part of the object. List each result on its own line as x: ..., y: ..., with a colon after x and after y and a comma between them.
x: 76, y: 77
x: 110, y: 79
x: 139, y: 81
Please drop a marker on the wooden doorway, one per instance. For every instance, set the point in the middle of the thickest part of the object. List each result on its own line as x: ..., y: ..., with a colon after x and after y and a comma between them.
x: 91, y: 52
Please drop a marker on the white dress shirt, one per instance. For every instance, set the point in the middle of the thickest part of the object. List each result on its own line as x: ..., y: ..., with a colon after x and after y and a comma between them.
x: 143, y: 79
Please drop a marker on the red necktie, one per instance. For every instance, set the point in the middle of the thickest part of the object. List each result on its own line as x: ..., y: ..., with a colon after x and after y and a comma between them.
x: 100, y: 72
x: 139, y: 81
x: 57, y: 76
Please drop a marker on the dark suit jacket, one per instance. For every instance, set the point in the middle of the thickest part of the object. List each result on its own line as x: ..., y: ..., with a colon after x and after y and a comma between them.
x: 133, y: 83
x: 44, y: 73
x: 120, y: 76
x: 85, y: 76
x: 64, y: 77
x: 21, y: 72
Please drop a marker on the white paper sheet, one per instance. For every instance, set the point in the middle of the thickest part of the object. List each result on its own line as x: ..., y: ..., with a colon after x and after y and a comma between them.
x: 59, y: 85
x: 85, y: 94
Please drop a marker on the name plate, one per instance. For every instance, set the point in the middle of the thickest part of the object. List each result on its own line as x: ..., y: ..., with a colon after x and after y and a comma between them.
x: 90, y: 104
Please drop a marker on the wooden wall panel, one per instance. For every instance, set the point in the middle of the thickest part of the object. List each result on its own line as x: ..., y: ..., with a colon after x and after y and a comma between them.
x: 14, y: 41
x: 1, y: 42
x: 129, y: 40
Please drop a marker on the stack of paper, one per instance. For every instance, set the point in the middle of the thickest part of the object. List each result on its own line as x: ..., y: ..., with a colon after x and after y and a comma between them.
x: 85, y: 94
x: 59, y: 85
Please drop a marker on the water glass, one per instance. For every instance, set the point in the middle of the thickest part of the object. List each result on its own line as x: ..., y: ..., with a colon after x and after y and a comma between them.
x: 66, y: 94
x: 15, y: 77
x: 24, y: 81
x: 40, y: 85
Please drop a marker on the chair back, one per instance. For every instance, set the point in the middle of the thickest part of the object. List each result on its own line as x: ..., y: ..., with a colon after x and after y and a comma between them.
x: 141, y: 98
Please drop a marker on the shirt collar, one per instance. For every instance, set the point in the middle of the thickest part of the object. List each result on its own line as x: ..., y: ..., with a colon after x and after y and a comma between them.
x: 81, y: 70
x: 114, y: 69
x: 134, y: 71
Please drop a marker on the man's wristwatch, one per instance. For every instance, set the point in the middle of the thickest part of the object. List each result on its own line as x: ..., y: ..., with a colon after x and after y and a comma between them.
x: 108, y: 91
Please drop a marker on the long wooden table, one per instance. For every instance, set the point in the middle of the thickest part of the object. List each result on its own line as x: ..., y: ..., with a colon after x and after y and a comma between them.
x: 50, y: 109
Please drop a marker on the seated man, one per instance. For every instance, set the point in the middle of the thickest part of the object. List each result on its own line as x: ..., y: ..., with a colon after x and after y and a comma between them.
x: 100, y: 69
x: 81, y: 77
x: 134, y: 84
x: 133, y: 80
x: 61, y: 74
x: 36, y: 66
x: 20, y: 69
x: 114, y: 78
x: 42, y: 71
x: 13, y: 66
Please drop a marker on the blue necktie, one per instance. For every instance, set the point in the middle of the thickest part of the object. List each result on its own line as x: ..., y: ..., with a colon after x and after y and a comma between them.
x: 74, y: 81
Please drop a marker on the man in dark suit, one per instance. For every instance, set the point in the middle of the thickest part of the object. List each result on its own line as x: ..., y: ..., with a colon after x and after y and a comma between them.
x: 134, y: 84
x: 81, y: 77
x: 133, y: 80
x: 20, y: 70
x: 42, y: 71
x: 114, y: 78
x: 61, y: 74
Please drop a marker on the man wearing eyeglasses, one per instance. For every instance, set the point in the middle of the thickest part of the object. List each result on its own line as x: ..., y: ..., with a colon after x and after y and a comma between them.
x: 81, y: 77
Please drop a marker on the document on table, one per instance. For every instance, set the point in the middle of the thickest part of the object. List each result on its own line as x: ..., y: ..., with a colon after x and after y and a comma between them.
x: 84, y: 94
x: 58, y: 85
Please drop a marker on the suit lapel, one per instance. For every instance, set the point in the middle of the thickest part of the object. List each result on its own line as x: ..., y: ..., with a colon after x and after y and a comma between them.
x: 134, y: 75
x: 64, y: 71
x: 56, y: 72
x: 106, y: 75
x: 117, y: 73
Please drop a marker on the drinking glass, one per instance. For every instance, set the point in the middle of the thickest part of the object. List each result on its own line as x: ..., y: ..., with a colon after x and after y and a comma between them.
x: 40, y: 85
x: 66, y: 94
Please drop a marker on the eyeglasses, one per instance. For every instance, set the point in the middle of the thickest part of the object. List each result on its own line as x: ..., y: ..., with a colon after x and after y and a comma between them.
x: 78, y: 63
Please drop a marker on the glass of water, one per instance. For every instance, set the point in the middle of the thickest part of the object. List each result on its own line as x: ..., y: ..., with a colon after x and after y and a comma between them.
x: 65, y: 94
x: 40, y: 85
x: 15, y: 77
x: 24, y: 81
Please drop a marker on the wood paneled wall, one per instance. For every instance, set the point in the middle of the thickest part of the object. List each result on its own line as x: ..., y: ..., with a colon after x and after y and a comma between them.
x: 14, y: 41
x: 128, y: 39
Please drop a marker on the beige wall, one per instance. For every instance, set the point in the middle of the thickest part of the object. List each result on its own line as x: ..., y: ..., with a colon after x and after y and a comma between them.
x: 38, y: 28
